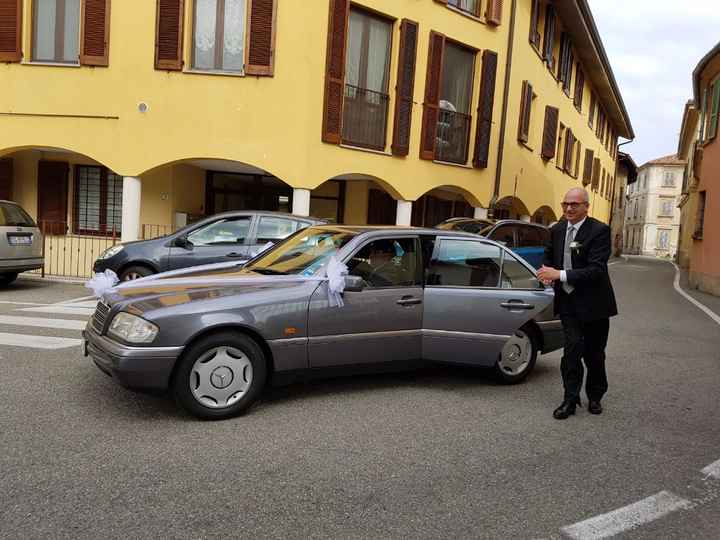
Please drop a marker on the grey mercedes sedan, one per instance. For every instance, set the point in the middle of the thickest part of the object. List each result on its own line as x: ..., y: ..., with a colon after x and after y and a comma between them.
x: 216, y: 337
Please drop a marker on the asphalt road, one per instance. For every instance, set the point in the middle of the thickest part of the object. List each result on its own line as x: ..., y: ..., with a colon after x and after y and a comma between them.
x: 437, y: 453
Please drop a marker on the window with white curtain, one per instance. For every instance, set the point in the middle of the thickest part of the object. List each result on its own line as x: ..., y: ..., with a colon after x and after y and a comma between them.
x: 469, y: 6
x: 56, y: 31
x: 219, y: 35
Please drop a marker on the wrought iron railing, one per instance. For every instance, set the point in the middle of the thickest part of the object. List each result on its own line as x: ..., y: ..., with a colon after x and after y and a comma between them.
x: 365, y: 114
x: 452, y: 137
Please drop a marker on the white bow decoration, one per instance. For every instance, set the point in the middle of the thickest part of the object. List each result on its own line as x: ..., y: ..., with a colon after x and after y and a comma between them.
x: 336, y: 272
x: 101, y: 283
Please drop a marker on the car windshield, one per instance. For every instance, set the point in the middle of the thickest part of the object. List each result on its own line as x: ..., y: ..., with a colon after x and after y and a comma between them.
x: 303, y: 253
x: 13, y: 215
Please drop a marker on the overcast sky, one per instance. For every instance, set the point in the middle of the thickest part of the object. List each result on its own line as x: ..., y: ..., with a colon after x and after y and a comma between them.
x: 653, y: 47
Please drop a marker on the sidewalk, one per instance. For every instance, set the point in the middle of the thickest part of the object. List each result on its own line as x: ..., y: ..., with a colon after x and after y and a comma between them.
x: 712, y: 302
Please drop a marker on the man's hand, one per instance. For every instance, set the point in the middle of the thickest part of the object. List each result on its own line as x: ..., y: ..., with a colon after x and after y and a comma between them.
x: 547, y: 275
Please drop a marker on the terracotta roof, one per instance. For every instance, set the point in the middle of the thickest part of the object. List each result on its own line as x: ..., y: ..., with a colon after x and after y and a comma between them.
x: 672, y: 159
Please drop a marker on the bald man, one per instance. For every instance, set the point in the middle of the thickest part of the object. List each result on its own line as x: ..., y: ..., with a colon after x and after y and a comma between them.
x: 575, y: 262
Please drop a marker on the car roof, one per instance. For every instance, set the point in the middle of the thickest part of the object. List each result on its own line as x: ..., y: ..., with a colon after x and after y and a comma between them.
x: 518, y: 222
x: 379, y: 230
x: 231, y: 213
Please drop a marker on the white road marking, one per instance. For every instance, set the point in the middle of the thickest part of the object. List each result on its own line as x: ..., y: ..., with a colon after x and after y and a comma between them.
x: 702, y: 307
x: 712, y: 470
x: 89, y: 304
x: 61, y: 310
x: 63, y: 324
x: 626, y: 518
x: 76, y: 300
x: 22, y: 303
x: 37, y: 342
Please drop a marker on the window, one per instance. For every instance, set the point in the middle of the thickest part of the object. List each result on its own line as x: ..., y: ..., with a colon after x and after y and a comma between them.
x: 668, y: 179
x: 465, y: 263
x: 666, y: 207
x: 561, y: 138
x: 219, y: 35
x: 453, y: 127
x: 530, y: 236
x: 468, y: 6
x: 390, y: 262
x: 549, y: 37
x: 566, y: 62
x: 700, y: 218
x: 663, y: 239
x: 273, y: 229
x: 367, y: 72
x: 515, y: 275
x: 56, y: 31
x: 526, y: 100
x: 222, y: 232
x: 504, y: 234
x: 534, y: 24
x: 97, y: 202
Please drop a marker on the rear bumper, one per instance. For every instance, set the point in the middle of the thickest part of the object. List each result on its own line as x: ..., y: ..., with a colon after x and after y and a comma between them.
x: 552, y: 335
x: 138, y: 368
x: 20, y: 265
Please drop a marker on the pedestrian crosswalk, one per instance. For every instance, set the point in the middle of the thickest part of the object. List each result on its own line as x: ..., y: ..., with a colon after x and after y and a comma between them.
x: 46, y: 326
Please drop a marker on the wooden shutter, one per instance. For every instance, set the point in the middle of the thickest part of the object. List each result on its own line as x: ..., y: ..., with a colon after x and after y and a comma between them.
x: 52, y: 196
x: 588, y: 170
x: 493, y: 12
x: 95, y: 33
x: 6, y: 179
x: 11, y: 30
x: 405, y: 88
x: 432, y: 96
x: 549, y: 142
x: 579, y: 88
x: 525, y: 109
x: 567, y: 156
x: 485, y: 109
x: 169, y: 35
x: 335, y: 71
x: 549, y: 41
x: 261, y: 38
x: 535, y: 24
x: 596, y: 174
x: 593, y: 104
x: 578, y: 152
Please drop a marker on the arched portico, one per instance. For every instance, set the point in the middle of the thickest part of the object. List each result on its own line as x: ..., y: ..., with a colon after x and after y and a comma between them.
x: 511, y: 208
x: 544, y: 215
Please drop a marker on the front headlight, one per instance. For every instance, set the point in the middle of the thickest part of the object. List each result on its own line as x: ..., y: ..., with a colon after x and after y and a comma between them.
x: 132, y: 328
x: 110, y: 252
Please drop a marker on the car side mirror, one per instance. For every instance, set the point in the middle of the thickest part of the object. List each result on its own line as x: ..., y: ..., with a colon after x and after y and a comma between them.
x: 354, y: 283
x: 183, y: 242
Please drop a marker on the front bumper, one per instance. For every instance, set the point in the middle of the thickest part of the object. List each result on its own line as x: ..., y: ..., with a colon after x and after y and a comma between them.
x: 139, y: 368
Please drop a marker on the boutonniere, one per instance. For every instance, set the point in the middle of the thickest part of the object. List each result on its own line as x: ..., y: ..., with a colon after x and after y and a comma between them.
x: 575, y: 246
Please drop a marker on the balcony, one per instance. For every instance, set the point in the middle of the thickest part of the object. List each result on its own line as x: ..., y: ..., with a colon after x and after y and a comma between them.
x: 364, y: 120
x: 452, y: 137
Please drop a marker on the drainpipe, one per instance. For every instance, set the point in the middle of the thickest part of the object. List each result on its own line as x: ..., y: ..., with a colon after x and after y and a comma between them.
x: 503, y: 120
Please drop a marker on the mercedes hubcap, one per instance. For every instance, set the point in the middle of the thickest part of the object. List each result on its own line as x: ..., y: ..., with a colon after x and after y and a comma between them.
x: 221, y: 377
x: 516, y: 354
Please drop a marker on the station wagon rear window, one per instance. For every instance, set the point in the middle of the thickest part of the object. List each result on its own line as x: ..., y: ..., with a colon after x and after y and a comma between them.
x: 12, y: 215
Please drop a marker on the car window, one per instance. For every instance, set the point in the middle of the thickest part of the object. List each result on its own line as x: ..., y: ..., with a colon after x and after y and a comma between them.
x: 222, y: 232
x: 515, y: 275
x: 13, y: 215
x: 473, y: 227
x: 504, y: 234
x: 529, y: 236
x: 464, y: 263
x: 272, y: 229
x: 545, y: 235
x: 389, y: 262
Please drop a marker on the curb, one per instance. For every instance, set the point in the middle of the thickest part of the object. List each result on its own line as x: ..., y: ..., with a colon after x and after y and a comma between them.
x: 53, y: 279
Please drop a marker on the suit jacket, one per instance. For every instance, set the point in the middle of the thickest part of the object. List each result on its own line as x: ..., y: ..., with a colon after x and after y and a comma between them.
x: 593, y: 296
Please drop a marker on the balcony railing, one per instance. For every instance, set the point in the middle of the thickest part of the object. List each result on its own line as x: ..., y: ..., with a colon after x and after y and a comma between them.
x: 365, y: 114
x: 453, y: 135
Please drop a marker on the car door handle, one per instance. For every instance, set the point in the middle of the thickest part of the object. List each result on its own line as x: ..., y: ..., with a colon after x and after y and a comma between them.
x: 517, y: 305
x: 409, y: 301
x: 235, y: 254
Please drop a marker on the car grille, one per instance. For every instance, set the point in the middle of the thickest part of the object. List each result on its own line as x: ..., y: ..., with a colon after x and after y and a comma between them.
x: 100, y: 317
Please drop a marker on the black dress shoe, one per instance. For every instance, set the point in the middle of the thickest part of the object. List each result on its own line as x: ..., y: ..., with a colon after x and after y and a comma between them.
x: 563, y: 411
x: 594, y: 407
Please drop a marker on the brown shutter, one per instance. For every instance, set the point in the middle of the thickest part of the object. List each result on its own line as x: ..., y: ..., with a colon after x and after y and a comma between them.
x: 596, y: 174
x: 493, y: 12
x: 169, y: 35
x: 593, y: 104
x: 588, y: 170
x: 549, y: 41
x: 6, y: 179
x: 567, y: 155
x: 405, y: 88
x: 261, y: 38
x: 579, y: 88
x: 525, y: 109
x: 432, y: 95
x: 10, y: 30
x: 485, y: 109
x: 576, y: 169
x: 535, y: 24
x: 95, y: 33
x: 549, y: 143
x: 335, y: 71
x: 52, y: 196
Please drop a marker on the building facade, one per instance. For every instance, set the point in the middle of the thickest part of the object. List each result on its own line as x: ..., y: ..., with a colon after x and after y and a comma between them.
x: 626, y: 175
x: 652, y: 216
x: 688, y: 151
x: 131, y: 118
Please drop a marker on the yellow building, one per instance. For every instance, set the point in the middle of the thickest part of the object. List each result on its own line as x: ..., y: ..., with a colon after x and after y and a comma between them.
x: 690, y: 152
x: 131, y: 117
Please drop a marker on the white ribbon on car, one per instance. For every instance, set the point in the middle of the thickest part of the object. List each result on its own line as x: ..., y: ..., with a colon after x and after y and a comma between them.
x: 335, y: 272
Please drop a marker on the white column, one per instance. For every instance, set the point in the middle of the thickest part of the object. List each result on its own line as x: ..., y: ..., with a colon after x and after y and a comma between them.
x: 404, y: 213
x: 525, y: 218
x: 132, y: 189
x: 301, y: 202
x: 481, y: 213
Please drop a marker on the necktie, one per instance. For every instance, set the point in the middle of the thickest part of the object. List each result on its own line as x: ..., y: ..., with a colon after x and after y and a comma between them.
x: 567, y: 257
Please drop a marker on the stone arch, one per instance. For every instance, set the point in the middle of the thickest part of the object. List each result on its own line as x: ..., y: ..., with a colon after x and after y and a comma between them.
x: 510, y: 207
x: 441, y: 203
x: 544, y: 215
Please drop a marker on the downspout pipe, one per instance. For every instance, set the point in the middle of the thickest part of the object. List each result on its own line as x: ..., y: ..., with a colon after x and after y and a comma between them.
x: 503, y: 120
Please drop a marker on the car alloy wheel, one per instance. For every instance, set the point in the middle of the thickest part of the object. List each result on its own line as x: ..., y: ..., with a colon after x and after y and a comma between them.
x: 221, y: 377
x: 518, y: 356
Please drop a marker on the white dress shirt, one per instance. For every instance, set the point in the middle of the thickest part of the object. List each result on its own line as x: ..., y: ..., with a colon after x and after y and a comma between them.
x: 576, y: 226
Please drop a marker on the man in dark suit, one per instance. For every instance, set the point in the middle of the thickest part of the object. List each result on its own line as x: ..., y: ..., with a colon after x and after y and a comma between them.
x: 575, y: 262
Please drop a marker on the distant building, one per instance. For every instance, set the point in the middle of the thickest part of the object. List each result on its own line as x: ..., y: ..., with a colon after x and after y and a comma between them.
x: 626, y: 175
x: 688, y: 150
x: 652, y: 217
